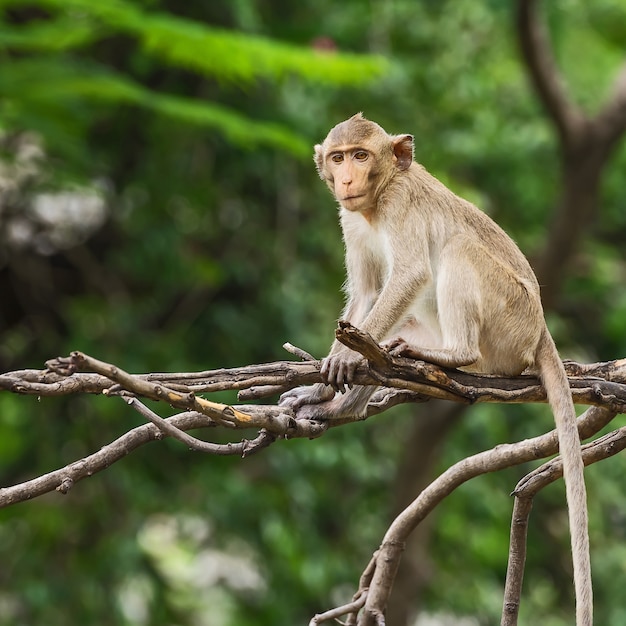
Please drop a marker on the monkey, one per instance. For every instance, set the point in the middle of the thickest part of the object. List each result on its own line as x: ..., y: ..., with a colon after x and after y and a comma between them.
x: 432, y: 277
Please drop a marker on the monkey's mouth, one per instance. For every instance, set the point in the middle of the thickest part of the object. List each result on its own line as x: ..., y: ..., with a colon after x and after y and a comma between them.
x: 361, y: 195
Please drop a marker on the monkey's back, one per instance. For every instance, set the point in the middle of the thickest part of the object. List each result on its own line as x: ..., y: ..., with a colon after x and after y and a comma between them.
x: 469, y: 252
x: 453, y: 215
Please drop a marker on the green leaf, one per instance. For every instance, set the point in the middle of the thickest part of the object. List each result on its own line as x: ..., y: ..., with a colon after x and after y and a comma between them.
x: 221, y: 53
x: 43, y: 81
x: 57, y: 35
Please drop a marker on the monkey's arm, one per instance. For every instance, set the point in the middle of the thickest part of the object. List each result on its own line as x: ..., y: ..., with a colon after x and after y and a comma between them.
x: 401, y: 289
x: 361, y: 295
x: 363, y: 291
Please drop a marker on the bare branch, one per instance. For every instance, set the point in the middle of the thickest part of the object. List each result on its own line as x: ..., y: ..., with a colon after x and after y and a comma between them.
x: 63, y: 479
x: 352, y: 607
x: 49, y: 383
x: 597, y: 383
x: 598, y: 450
x: 427, y: 379
x: 500, y: 457
x: 377, y: 579
x: 243, y: 448
x: 536, y: 51
x: 602, y: 448
x: 399, y: 380
x: 517, y: 561
x: 611, y: 120
x: 299, y: 352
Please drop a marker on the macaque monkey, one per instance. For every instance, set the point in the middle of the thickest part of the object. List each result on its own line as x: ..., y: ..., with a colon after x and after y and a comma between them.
x: 430, y: 270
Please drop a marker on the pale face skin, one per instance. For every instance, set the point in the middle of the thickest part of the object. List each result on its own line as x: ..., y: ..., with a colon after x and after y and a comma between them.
x: 349, y: 167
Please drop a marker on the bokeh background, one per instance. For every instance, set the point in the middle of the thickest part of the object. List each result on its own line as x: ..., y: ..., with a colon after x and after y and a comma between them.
x: 159, y: 209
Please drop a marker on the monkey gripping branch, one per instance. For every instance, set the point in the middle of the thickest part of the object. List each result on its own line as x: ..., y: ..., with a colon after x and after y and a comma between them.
x: 399, y: 380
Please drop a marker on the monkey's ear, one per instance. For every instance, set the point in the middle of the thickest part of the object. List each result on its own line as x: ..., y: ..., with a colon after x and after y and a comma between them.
x: 403, y: 151
x: 318, y: 157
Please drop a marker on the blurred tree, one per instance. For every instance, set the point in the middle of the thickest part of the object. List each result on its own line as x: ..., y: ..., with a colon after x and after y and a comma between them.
x: 157, y: 211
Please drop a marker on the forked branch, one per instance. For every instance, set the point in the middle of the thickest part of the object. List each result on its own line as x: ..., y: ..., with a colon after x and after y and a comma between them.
x: 379, y: 582
x: 400, y: 380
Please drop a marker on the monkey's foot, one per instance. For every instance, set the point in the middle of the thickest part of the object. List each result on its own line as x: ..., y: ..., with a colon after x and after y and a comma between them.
x: 312, y: 412
x: 400, y: 348
x: 352, y: 405
x: 300, y: 396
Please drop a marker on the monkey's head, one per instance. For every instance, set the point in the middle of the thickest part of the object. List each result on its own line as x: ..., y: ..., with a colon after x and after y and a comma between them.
x: 357, y: 160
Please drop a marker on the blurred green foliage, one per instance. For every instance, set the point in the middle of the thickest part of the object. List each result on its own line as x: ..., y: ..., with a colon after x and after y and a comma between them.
x: 192, y: 123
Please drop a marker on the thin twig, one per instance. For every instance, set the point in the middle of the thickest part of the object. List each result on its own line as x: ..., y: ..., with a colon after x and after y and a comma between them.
x: 64, y: 478
x: 242, y: 448
x: 517, y: 561
x: 332, y: 614
x: 299, y: 352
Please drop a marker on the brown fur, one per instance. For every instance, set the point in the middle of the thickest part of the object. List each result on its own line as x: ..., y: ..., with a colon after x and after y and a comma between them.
x: 433, y: 271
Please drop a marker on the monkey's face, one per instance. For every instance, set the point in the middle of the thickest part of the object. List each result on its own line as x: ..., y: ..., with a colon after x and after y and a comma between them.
x: 357, y: 160
x: 348, y: 171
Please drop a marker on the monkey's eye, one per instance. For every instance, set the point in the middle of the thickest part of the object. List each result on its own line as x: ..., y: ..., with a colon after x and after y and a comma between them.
x: 337, y: 157
x: 361, y: 155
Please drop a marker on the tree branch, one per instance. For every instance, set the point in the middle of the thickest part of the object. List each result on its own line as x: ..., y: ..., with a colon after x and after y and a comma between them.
x: 498, y: 458
x: 401, y: 380
x: 603, y: 448
x: 603, y: 385
x: 611, y: 120
x: 586, y: 143
x: 517, y: 561
x: 536, y: 51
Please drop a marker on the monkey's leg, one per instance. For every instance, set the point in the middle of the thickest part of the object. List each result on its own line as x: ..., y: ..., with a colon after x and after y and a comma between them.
x: 353, y: 403
x: 455, y: 343
x: 444, y: 357
x: 311, y: 394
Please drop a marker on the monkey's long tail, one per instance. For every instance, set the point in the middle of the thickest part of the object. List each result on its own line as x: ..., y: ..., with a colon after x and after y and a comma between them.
x: 559, y: 396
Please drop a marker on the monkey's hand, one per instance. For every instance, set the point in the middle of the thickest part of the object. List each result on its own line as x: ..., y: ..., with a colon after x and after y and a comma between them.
x: 338, y: 369
x: 300, y: 396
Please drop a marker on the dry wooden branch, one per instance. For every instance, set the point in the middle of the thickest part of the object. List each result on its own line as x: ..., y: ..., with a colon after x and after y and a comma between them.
x: 602, y: 385
x: 63, y: 479
x: 380, y: 582
x: 517, y: 561
x: 526, y: 489
x: 402, y: 380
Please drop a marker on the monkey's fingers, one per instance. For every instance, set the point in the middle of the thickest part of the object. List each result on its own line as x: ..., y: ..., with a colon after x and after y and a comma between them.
x: 332, y: 375
x: 340, y: 377
x: 324, y: 369
x: 335, y: 377
x: 290, y: 400
x: 349, y: 372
